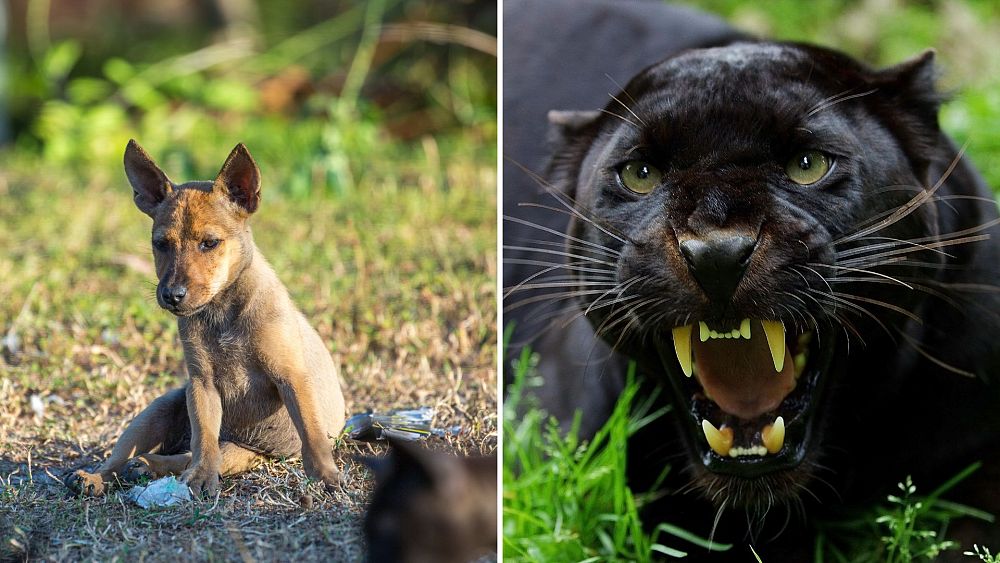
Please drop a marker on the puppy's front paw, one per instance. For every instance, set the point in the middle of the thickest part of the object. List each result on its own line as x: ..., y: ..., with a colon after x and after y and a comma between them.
x: 332, y: 478
x: 201, y: 481
x: 323, y: 469
x: 86, y: 484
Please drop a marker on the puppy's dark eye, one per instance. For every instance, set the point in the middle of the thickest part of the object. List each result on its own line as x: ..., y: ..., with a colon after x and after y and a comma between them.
x: 640, y: 177
x: 808, y: 167
x: 161, y: 244
x: 209, y: 244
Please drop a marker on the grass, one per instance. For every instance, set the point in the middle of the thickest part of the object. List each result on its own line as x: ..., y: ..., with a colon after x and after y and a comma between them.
x: 396, y: 276
x: 567, y: 499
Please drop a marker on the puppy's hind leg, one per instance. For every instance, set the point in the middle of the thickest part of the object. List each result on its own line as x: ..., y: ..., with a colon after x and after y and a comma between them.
x: 237, y: 459
x: 154, y: 466
x: 163, y: 426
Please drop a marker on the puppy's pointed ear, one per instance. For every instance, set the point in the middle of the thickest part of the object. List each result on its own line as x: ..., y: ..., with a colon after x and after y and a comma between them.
x: 240, y: 179
x: 149, y: 184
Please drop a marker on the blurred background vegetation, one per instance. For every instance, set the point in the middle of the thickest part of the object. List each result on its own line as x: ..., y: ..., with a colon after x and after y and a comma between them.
x: 965, y: 34
x: 324, y: 92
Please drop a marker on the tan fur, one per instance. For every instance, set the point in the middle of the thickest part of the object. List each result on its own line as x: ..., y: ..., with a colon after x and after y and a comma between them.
x: 261, y: 380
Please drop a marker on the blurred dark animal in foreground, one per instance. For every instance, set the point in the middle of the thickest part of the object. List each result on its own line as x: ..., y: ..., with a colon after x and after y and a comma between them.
x: 431, y: 506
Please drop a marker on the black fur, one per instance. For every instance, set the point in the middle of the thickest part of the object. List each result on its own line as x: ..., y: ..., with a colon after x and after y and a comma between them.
x: 721, y: 124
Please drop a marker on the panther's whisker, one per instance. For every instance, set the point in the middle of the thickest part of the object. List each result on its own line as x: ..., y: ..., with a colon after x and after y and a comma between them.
x: 622, y: 90
x: 840, y: 100
x: 569, y: 246
x: 570, y: 204
x: 560, y: 234
x: 573, y: 283
x: 628, y: 109
x: 855, y: 307
x: 879, y: 303
x: 603, y: 228
x: 910, y: 206
x: 622, y: 117
x: 909, y: 250
x: 937, y: 361
x: 847, y: 326
x: 555, y: 296
x: 569, y: 266
x: 621, y: 288
x: 895, y: 243
x: 590, y: 259
x: 861, y: 270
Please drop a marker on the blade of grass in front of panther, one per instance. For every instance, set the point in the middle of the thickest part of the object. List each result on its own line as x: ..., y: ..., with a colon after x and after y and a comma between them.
x: 567, y: 499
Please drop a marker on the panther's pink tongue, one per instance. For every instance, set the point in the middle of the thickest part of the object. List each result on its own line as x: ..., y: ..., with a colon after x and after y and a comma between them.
x: 739, y: 375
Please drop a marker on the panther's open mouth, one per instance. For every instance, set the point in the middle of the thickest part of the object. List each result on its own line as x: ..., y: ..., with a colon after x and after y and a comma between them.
x: 751, y: 389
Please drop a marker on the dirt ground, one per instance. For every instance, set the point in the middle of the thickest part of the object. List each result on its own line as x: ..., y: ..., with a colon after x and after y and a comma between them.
x: 400, y: 283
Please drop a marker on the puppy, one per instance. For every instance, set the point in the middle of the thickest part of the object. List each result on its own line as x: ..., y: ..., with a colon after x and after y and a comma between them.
x: 262, y: 382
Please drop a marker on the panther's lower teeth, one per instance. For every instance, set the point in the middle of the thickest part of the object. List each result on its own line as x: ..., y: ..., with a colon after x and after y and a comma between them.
x: 721, y: 439
x: 773, y: 435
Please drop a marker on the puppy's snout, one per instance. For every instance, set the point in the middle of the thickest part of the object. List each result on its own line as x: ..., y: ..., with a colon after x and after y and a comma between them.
x: 173, y: 295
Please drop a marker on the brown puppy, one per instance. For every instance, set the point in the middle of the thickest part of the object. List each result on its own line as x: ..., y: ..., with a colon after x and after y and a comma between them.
x: 431, y: 507
x: 262, y: 382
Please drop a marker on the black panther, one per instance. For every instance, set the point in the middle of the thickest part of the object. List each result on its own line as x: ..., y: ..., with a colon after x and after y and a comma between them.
x: 779, y: 235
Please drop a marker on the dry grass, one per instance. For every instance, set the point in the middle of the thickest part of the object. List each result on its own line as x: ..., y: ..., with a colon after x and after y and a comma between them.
x: 398, y: 280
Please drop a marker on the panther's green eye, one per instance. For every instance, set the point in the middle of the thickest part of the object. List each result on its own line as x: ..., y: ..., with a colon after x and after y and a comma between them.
x: 640, y: 177
x: 808, y: 167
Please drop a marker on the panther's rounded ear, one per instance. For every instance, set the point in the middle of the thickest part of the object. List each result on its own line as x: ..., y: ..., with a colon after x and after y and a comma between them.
x: 570, y: 132
x: 912, y: 82
x: 567, y: 125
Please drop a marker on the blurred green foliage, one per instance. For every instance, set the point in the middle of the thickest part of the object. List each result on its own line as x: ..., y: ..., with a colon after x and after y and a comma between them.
x: 372, y: 91
x: 965, y: 34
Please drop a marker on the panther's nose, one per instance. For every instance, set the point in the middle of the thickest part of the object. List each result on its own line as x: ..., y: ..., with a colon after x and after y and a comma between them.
x: 173, y: 295
x: 718, y: 263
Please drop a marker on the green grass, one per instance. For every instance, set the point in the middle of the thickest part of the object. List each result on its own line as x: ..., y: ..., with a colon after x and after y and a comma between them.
x: 906, y: 527
x: 567, y: 499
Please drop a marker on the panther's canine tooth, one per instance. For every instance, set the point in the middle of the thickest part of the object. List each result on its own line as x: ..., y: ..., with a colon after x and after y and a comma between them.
x: 773, y: 435
x: 745, y: 328
x: 703, y: 331
x: 682, y: 347
x: 775, y: 333
x: 721, y: 441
